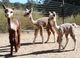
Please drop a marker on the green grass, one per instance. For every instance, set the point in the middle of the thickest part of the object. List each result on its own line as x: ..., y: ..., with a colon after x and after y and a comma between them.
x: 26, y: 23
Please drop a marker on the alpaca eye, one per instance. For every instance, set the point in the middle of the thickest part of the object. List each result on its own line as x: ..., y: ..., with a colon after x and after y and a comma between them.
x: 6, y: 11
x: 11, y: 12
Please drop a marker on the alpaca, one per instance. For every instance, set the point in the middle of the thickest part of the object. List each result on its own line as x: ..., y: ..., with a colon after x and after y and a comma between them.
x: 40, y: 24
x: 51, y: 26
x: 66, y: 29
x: 13, y: 29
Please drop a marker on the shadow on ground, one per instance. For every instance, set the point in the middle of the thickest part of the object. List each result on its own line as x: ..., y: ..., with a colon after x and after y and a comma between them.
x: 23, y: 44
x: 4, y: 49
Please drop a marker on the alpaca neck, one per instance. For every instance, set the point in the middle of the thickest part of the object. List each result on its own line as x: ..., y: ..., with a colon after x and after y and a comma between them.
x: 55, y: 20
x: 9, y: 22
x: 56, y: 25
x: 55, y: 17
x: 31, y: 18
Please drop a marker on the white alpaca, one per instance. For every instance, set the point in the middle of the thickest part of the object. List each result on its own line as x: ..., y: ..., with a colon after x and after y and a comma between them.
x: 66, y: 29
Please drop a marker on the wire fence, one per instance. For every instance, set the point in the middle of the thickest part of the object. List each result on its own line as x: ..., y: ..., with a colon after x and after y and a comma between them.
x: 63, y: 9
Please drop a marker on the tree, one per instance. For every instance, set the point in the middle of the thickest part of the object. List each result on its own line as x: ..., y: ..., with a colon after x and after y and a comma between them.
x: 69, y: 6
x: 6, y: 2
x: 17, y: 5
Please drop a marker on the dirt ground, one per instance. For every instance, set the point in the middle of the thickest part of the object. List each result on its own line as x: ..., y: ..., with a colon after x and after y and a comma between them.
x: 38, y: 50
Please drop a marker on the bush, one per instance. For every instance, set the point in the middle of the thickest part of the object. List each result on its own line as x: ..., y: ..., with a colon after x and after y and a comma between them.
x: 24, y: 21
x: 3, y: 24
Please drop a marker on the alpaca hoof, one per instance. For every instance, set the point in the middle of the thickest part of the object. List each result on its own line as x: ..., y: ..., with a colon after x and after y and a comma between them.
x: 11, y: 54
x: 73, y: 49
x: 19, y: 46
x: 16, y: 50
x: 59, y: 50
x: 33, y: 42
x: 46, y: 42
x: 54, y: 41
x: 63, y: 48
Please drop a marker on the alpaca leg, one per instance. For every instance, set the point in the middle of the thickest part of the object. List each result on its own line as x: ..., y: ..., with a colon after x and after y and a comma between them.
x: 73, y: 37
x: 41, y: 33
x: 16, y: 42
x: 54, y: 37
x: 59, y: 40
x: 53, y: 32
x: 11, y: 49
x: 11, y: 43
x: 35, y: 34
x: 49, y: 33
x: 15, y: 48
x: 59, y: 43
x: 18, y: 32
x: 66, y: 35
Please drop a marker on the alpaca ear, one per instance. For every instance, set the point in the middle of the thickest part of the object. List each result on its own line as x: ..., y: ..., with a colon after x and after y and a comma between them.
x: 3, y: 6
x: 74, y: 24
x: 54, y: 12
x: 50, y: 12
x: 27, y: 9
x: 13, y: 8
x: 31, y: 10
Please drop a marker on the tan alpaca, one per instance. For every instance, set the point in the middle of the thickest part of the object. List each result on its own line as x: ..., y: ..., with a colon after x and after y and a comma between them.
x: 40, y: 24
x: 52, y: 26
x: 66, y: 29
x: 13, y: 28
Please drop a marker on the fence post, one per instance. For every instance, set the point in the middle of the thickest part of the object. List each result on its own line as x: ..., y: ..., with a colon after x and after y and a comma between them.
x: 62, y: 11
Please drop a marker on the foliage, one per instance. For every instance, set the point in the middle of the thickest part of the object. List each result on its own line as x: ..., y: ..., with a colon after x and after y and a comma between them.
x: 68, y: 7
x: 3, y: 24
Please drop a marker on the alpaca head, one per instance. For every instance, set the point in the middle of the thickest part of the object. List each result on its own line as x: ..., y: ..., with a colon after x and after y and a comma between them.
x: 8, y: 11
x: 75, y: 25
x: 27, y: 12
x: 51, y: 15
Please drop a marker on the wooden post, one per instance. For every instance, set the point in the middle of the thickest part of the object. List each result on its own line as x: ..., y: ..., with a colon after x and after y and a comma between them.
x: 62, y: 11
x: 63, y: 15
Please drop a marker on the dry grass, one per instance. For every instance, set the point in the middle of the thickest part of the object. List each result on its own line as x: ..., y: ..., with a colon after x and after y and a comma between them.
x: 26, y: 23
x: 19, y: 14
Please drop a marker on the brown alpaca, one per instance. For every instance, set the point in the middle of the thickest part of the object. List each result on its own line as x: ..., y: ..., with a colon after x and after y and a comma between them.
x: 66, y: 29
x: 40, y: 24
x: 13, y: 28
